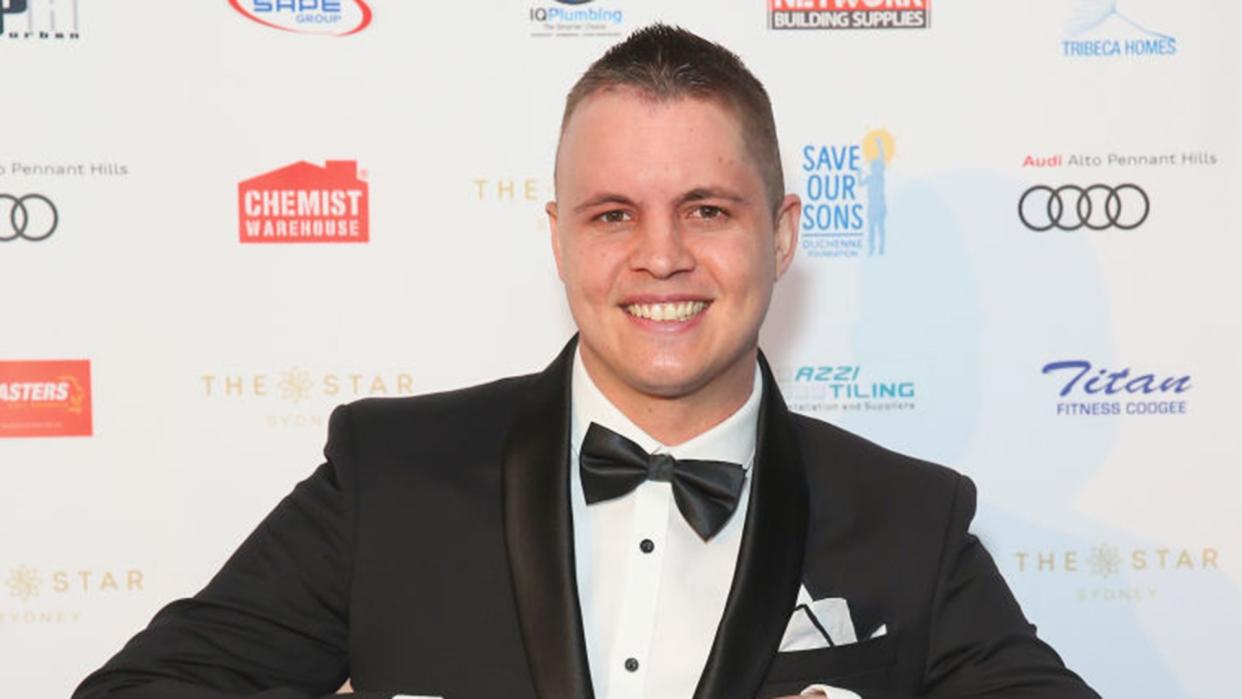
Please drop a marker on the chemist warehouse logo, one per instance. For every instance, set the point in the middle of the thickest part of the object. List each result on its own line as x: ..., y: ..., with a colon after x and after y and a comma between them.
x: 305, y: 203
x: 849, y: 14
x: 844, y: 203
x: 321, y: 17
x: 45, y: 398
x: 1087, y: 390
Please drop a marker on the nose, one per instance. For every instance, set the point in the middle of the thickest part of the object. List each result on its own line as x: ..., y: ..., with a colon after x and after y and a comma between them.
x: 660, y: 250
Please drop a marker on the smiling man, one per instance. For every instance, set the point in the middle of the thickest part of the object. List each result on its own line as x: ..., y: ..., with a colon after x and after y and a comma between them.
x: 644, y: 518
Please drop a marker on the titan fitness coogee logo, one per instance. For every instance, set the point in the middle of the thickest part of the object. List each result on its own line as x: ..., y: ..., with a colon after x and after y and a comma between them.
x: 305, y: 203
x: 1090, y: 390
x: 849, y: 14
x: 844, y: 204
x: 322, y: 17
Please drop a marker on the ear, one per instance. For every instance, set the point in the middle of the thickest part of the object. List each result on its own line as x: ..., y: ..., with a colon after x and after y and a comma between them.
x: 785, y: 237
x: 550, y: 210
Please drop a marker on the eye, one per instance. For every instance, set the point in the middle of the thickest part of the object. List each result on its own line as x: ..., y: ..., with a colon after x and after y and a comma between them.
x: 613, y: 216
x: 708, y: 212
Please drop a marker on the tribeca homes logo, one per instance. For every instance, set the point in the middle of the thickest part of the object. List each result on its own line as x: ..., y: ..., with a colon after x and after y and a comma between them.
x: 1100, y: 30
x: 849, y: 14
x: 305, y: 203
x: 45, y: 398
x: 322, y: 17
x: 843, y: 203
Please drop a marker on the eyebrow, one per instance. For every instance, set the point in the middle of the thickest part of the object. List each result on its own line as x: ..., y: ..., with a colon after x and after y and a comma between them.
x: 696, y: 194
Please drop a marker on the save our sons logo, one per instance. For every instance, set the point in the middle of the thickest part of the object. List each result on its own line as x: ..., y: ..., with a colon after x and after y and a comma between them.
x: 844, y: 203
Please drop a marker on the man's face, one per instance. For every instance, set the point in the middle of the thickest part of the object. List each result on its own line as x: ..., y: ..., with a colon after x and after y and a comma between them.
x: 666, y: 243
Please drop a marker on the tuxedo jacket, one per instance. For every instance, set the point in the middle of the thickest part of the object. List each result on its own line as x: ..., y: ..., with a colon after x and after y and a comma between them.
x: 432, y: 554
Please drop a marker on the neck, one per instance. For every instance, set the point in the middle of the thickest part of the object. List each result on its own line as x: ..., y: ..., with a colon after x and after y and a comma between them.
x: 674, y: 419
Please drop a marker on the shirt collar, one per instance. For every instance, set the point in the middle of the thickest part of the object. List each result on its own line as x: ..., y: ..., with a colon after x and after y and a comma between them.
x: 733, y: 439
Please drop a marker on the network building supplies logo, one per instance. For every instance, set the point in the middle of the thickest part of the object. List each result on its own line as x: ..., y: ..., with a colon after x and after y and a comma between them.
x: 45, y: 398
x: 305, y: 203
x: 1095, y: 207
x: 321, y: 17
x: 1087, y: 390
x: 849, y: 14
x: 844, y: 200
x: 843, y: 388
x: 39, y: 19
x: 573, y: 18
x: 1100, y: 29
x: 31, y: 218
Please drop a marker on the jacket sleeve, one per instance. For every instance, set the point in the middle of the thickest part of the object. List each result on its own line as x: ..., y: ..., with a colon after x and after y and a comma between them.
x: 980, y: 644
x: 273, y: 623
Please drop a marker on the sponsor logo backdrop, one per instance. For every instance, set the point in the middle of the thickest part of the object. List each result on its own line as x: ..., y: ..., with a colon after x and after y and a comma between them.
x: 1019, y: 259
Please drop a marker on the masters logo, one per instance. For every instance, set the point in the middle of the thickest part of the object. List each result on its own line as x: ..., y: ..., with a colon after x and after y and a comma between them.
x: 843, y: 196
x: 45, y: 398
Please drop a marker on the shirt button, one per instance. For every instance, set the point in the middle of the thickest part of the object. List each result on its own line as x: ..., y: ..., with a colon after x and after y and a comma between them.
x: 646, y: 546
x: 631, y: 664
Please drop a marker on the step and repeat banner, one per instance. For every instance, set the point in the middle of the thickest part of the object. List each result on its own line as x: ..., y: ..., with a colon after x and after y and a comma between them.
x: 1019, y: 257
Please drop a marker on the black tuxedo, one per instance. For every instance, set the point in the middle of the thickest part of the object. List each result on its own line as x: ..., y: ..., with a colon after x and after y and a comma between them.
x: 433, y: 554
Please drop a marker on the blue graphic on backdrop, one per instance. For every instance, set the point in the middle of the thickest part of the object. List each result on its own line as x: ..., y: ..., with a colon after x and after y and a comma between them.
x: 835, y: 216
x: 1100, y: 30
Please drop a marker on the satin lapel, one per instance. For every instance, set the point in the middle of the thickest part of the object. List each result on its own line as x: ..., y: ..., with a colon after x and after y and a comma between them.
x: 539, y: 536
x: 769, y: 563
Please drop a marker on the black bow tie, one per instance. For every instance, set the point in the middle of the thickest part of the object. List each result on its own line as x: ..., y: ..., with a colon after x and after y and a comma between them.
x: 706, y: 492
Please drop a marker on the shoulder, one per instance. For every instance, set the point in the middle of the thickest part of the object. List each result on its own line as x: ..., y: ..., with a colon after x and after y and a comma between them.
x: 446, y: 418
x: 836, y: 458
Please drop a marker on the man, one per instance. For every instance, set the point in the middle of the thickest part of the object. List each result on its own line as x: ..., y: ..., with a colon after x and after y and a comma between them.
x: 644, y: 518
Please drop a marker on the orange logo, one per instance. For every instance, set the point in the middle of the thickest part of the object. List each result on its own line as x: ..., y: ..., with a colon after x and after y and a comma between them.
x: 45, y: 398
x: 305, y: 203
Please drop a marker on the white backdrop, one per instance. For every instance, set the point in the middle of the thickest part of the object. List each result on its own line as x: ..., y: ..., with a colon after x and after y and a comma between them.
x: 213, y: 362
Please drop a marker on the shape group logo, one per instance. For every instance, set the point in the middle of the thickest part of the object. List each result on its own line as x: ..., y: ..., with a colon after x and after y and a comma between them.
x: 305, y: 203
x: 38, y: 19
x: 321, y: 17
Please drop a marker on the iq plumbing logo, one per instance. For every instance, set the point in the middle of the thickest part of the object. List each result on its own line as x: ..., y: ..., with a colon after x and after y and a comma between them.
x: 1089, y: 390
x: 824, y: 388
x: 1099, y: 29
x: 844, y: 204
x: 322, y: 17
x: 573, y: 18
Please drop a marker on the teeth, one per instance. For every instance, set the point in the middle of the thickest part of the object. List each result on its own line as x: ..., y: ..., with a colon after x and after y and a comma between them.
x: 667, y: 311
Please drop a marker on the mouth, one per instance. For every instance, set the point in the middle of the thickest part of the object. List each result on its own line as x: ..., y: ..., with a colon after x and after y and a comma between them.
x: 678, y: 312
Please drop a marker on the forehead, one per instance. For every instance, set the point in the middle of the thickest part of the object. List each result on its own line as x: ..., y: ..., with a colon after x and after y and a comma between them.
x: 622, y: 136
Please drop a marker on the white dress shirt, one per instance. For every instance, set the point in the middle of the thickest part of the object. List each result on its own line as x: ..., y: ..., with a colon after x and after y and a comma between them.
x: 653, y: 607
x: 652, y: 591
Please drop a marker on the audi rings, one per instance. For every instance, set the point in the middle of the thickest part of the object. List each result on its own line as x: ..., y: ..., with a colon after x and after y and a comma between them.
x: 1070, y: 207
x: 31, y: 217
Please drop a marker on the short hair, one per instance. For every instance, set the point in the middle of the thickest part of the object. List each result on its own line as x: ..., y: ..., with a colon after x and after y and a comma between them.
x: 667, y: 63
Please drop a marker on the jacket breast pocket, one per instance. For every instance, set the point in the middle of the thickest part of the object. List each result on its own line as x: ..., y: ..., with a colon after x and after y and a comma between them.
x: 821, y: 665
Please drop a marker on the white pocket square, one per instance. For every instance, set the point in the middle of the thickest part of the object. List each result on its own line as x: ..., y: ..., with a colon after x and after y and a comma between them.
x: 821, y: 624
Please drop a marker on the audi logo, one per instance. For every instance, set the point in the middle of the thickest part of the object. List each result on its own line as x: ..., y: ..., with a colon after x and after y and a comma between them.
x: 1070, y: 207
x: 31, y: 217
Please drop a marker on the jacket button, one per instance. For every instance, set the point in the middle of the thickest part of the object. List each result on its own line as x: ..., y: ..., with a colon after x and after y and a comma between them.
x: 631, y: 664
x: 646, y: 545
